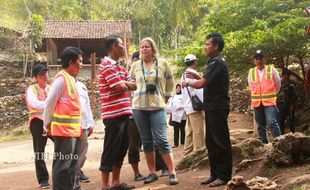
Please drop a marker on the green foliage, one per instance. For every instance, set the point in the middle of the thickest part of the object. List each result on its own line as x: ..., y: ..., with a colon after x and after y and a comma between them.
x: 35, y: 30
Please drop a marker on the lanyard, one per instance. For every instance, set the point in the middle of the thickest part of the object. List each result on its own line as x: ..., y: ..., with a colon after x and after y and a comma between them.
x: 156, y: 79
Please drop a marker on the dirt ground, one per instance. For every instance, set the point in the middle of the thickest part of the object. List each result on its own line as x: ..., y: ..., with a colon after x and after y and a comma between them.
x: 17, y: 171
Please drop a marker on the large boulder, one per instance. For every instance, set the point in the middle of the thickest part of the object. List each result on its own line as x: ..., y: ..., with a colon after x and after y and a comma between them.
x: 290, y: 149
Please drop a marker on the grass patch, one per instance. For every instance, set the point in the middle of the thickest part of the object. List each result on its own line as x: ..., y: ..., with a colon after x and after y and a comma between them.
x: 17, y: 134
x: 297, y: 188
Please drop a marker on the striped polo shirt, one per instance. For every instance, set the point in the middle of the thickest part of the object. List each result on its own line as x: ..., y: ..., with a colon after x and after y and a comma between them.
x: 113, y: 103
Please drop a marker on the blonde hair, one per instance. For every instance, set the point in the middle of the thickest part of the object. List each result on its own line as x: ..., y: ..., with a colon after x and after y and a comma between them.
x: 153, y: 45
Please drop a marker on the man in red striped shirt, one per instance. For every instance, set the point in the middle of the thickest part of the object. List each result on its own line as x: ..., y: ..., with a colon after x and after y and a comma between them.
x: 114, y: 84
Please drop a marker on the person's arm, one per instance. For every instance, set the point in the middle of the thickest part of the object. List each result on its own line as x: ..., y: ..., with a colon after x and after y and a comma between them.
x: 113, y: 79
x: 130, y: 83
x: 90, y: 117
x: 169, y: 82
x: 33, y: 100
x: 277, y: 79
x: 54, y: 94
x: 169, y: 105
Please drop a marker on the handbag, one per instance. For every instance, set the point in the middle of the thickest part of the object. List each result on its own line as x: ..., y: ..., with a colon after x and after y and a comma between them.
x: 196, y: 102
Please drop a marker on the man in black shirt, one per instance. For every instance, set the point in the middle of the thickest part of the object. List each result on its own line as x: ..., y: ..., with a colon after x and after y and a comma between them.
x: 286, y: 101
x: 215, y: 83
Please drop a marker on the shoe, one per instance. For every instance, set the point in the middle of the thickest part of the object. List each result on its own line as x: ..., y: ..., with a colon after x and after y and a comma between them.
x: 217, y: 182
x: 173, y: 180
x: 140, y: 177
x: 84, y: 178
x: 151, y: 178
x: 44, y: 184
x: 122, y: 186
x: 208, y: 181
x: 164, y: 172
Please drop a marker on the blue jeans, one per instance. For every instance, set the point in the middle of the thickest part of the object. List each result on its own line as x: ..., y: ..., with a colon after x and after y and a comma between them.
x: 152, y: 127
x: 267, y: 115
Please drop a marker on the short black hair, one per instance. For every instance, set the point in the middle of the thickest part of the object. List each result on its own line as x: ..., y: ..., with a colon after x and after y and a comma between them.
x: 110, y: 41
x: 218, y: 39
x: 70, y: 53
x: 135, y: 55
x: 178, y: 85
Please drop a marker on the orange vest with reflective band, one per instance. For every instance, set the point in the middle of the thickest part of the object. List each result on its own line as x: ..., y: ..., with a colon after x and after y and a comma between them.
x: 66, y: 120
x: 41, y: 95
x: 264, y: 91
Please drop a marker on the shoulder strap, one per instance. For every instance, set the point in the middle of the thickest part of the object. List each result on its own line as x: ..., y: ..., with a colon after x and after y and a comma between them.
x: 156, y: 65
x: 187, y: 88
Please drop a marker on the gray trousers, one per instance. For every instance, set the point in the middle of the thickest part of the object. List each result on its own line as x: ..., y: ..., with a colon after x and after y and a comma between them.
x: 82, y: 146
x: 64, y: 163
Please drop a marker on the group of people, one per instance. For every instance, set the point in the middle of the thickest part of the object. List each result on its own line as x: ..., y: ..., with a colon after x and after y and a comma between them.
x: 62, y: 113
x: 134, y: 106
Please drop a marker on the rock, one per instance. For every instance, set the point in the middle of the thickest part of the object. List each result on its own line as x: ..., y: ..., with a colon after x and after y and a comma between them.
x: 251, y: 147
x: 261, y: 183
x: 237, y: 183
x: 257, y: 183
x: 192, y: 159
x: 244, y: 164
x: 290, y: 149
x: 233, y: 140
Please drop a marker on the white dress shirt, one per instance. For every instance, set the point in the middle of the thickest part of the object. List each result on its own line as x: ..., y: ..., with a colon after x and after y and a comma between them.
x: 188, y: 107
x: 175, y: 106
x: 87, y: 115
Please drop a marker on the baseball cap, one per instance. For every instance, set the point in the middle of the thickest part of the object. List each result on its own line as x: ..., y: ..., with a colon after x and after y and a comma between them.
x: 38, y: 68
x: 258, y: 53
x: 189, y: 58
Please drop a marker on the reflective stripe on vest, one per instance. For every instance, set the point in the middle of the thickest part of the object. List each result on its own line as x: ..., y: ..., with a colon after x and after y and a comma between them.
x: 41, y: 95
x: 263, y: 91
x: 66, y: 119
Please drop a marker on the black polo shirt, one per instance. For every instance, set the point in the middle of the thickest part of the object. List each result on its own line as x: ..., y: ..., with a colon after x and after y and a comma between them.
x: 215, y: 94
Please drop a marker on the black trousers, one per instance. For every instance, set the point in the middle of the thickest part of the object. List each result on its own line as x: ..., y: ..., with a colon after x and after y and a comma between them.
x: 64, y: 163
x: 134, y: 142
x: 179, y: 128
x: 286, y: 112
x: 115, y: 143
x: 218, y: 144
x: 39, y: 142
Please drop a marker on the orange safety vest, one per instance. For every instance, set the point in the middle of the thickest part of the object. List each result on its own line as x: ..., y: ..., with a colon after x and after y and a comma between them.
x: 66, y: 120
x: 41, y: 95
x: 264, y: 91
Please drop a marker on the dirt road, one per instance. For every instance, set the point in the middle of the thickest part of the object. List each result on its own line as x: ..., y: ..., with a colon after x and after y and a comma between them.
x: 17, y: 170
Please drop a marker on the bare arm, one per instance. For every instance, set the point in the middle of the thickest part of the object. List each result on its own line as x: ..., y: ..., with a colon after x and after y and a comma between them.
x: 131, y: 86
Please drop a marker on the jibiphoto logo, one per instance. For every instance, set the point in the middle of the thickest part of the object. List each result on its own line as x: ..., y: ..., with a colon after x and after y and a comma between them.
x: 54, y: 156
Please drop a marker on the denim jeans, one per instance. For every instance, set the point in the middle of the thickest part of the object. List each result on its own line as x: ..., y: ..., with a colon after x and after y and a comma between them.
x: 267, y: 115
x: 152, y: 127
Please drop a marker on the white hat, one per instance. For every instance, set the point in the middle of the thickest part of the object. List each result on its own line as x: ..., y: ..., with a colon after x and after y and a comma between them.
x: 190, y: 57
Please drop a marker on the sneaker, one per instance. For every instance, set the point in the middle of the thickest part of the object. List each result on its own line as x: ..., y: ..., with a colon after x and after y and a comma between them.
x: 140, y: 177
x: 164, y: 172
x: 44, y: 184
x: 217, y: 182
x: 151, y: 178
x: 173, y: 180
x: 208, y: 181
x: 84, y: 178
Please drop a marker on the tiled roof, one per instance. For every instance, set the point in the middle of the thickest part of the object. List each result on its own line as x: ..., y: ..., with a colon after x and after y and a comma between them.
x: 85, y: 29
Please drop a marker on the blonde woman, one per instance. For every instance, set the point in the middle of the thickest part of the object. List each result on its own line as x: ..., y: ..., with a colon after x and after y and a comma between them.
x: 155, y: 84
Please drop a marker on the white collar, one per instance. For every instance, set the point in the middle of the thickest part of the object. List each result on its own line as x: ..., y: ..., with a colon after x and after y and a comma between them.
x: 110, y: 60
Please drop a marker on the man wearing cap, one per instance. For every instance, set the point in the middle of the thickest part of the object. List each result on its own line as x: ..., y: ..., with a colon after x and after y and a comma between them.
x: 215, y: 84
x: 264, y: 82
x: 195, y: 129
x: 62, y: 119
x: 35, y: 99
